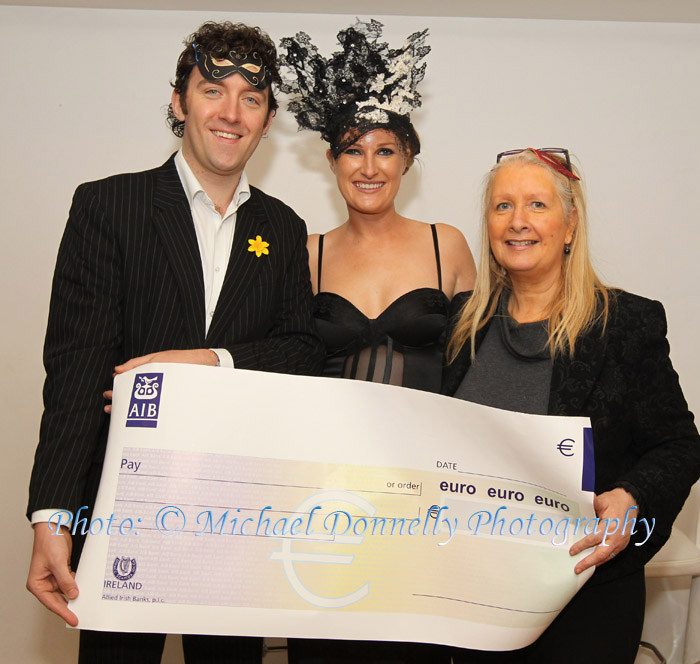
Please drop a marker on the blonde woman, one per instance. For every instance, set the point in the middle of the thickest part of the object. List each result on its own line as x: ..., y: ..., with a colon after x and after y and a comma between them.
x: 542, y: 334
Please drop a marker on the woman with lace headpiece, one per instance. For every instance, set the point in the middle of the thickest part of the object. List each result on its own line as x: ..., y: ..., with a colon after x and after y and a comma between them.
x: 382, y: 282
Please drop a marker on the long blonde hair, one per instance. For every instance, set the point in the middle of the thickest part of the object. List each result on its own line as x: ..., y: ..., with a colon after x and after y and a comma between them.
x: 582, y: 299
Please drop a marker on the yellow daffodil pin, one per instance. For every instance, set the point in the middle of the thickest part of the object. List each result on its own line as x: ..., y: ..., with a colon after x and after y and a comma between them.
x: 259, y: 246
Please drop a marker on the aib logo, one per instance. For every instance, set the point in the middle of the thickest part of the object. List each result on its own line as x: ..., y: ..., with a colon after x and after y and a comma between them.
x: 145, y: 401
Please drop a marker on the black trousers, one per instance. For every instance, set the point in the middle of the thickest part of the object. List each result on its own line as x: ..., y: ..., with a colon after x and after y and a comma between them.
x: 119, y: 648
x: 327, y: 651
x: 601, y: 625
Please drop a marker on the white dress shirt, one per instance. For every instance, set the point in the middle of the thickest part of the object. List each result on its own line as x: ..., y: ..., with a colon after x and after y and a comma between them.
x: 214, y: 235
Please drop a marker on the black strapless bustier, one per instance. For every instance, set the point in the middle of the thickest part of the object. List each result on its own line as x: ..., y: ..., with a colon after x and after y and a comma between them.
x: 402, y: 346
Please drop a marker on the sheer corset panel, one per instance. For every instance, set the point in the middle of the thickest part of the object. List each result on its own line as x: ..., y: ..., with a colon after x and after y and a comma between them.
x: 378, y: 365
x: 402, y: 346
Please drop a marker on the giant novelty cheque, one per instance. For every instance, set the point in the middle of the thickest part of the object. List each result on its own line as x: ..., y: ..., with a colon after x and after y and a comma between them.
x: 249, y: 503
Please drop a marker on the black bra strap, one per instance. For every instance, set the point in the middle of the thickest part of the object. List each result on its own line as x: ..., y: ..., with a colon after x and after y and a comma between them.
x: 437, y: 257
x: 320, y: 260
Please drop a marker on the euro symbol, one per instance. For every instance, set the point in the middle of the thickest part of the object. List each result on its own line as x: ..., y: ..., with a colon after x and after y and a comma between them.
x: 289, y: 557
x: 566, y: 446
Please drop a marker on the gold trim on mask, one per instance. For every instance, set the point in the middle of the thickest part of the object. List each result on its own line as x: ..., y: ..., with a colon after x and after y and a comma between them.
x: 249, y: 65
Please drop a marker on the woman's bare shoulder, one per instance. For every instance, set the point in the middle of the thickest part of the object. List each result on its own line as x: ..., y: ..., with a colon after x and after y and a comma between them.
x: 450, y: 233
x: 456, y: 258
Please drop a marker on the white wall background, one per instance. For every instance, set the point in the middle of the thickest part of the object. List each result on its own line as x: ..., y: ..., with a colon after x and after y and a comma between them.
x: 83, y: 96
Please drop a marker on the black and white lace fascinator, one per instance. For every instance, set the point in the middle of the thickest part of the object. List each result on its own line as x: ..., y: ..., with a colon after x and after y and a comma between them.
x: 363, y: 87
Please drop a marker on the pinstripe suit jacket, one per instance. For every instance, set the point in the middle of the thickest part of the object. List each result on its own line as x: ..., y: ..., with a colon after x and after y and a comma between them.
x: 128, y: 281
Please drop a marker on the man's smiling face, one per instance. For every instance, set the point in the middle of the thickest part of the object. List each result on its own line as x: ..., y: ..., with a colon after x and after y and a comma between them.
x: 224, y: 122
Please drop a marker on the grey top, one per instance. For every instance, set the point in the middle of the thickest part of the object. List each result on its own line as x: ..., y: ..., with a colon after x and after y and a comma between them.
x: 512, y: 369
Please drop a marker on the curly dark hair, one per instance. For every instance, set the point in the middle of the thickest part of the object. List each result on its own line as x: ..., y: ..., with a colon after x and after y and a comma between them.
x: 218, y: 39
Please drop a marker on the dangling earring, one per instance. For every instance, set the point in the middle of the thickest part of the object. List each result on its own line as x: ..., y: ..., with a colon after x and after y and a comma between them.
x: 567, y: 249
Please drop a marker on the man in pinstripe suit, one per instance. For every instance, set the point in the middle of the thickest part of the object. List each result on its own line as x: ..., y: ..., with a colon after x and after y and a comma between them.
x: 185, y: 263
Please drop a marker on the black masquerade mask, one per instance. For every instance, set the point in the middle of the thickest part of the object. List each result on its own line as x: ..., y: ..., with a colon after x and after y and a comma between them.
x: 249, y: 65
